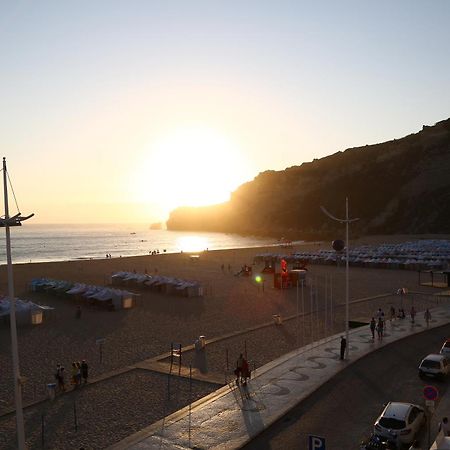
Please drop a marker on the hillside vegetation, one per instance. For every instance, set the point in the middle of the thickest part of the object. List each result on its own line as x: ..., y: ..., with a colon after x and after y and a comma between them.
x: 400, y: 186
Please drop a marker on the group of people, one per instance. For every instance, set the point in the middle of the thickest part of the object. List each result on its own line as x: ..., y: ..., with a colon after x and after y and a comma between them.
x: 242, y: 370
x: 378, y: 324
x: 79, y: 374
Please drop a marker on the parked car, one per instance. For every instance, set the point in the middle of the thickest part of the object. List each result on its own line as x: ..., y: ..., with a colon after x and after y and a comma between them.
x: 437, y: 366
x: 399, y: 422
x: 445, y: 350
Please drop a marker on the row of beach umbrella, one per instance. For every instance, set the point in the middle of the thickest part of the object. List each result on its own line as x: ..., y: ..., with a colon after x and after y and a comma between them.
x: 430, y: 254
x: 105, y: 296
x: 160, y: 283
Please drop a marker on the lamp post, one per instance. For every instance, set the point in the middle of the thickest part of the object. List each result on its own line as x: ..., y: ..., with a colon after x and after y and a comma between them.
x: 346, y: 221
x: 8, y: 222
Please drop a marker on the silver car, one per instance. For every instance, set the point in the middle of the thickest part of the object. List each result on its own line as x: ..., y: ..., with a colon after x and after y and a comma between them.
x: 399, y: 422
x: 437, y: 366
x: 445, y: 350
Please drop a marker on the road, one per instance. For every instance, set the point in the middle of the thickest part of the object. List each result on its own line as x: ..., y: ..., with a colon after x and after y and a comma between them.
x: 344, y: 409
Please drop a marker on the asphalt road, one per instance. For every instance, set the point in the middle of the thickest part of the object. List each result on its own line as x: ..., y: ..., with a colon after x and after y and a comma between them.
x: 344, y: 409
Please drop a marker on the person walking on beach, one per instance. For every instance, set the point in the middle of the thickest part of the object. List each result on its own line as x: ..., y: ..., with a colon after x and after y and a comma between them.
x: 413, y: 314
x: 239, y: 365
x: 343, y: 346
x: 245, y: 371
x: 59, y: 375
x: 373, y: 326
x: 427, y: 316
x: 78, y: 373
x: 74, y: 374
x: 78, y: 312
x: 84, y: 370
x: 380, y: 328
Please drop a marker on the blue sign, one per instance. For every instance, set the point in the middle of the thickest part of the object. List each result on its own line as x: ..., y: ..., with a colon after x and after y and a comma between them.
x: 430, y: 393
x: 316, y: 442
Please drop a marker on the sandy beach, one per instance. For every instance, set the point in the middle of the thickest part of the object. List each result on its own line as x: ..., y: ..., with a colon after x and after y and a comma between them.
x: 230, y: 304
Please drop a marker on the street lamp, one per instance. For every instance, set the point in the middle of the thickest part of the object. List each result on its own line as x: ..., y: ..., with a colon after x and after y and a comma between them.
x: 8, y: 222
x: 346, y: 221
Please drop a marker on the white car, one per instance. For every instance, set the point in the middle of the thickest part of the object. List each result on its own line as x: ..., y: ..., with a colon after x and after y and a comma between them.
x: 399, y: 422
x: 437, y: 366
x: 445, y: 350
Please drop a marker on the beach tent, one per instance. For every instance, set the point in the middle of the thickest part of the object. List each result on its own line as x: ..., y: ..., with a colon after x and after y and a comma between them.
x: 27, y: 312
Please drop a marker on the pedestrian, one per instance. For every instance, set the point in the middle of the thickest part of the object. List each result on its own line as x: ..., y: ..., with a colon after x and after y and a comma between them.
x: 74, y: 374
x: 380, y: 313
x: 392, y: 313
x: 245, y: 371
x: 343, y: 346
x: 238, y: 370
x: 373, y: 326
x: 415, y: 446
x: 444, y: 426
x: 78, y: 373
x: 78, y: 312
x: 427, y: 316
x: 380, y: 328
x: 59, y: 375
x: 84, y: 370
x: 413, y: 314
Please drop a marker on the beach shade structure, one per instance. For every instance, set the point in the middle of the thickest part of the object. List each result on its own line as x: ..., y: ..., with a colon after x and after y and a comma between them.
x: 27, y: 312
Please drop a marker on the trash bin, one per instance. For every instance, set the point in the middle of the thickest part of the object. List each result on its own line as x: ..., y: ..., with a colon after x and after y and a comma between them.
x: 202, y: 340
x: 277, y: 319
x: 51, y: 390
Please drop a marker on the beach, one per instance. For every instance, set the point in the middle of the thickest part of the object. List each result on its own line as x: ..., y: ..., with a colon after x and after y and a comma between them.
x: 230, y: 305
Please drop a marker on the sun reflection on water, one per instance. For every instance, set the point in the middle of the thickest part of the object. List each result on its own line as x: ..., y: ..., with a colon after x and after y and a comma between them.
x: 192, y: 243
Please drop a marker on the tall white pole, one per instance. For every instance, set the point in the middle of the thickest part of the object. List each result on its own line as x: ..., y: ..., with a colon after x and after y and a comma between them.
x: 346, y: 281
x: 14, y: 348
x: 303, y: 312
x: 298, y: 345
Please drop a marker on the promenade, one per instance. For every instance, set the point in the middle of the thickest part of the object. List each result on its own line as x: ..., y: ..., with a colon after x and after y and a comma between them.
x: 231, y: 416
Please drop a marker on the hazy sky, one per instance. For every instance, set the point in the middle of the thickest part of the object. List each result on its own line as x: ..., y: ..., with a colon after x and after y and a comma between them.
x: 119, y: 111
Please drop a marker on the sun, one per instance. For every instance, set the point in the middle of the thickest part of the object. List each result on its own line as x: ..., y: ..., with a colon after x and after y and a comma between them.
x: 191, y: 166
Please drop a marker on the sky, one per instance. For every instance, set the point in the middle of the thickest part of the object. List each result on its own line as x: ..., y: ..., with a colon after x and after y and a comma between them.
x: 120, y: 111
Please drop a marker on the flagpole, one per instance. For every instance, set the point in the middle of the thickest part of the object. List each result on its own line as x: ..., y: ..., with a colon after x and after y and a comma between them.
x: 14, y: 347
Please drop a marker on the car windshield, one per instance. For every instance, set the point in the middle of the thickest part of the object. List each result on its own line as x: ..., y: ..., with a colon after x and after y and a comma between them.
x: 428, y: 364
x: 392, y: 423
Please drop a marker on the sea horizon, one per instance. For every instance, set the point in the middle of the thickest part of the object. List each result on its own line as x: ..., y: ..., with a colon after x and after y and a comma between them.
x: 35, y: 243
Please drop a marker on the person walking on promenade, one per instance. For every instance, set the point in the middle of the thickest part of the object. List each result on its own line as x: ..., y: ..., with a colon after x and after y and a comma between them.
x: 373, y: 325
x: 427, y: 317
x: 380, y: 328
x: 413, y: 314
x: 392, y: 313
x: 84, y: 370
x: 444, y: 426
x: 343, y: 346
x: 380, y: 313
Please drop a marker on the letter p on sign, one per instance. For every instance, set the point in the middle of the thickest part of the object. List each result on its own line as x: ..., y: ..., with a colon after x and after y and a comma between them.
x: 316, y: 443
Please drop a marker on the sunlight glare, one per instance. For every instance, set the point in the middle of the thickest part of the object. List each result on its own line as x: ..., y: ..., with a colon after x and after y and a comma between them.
x: 191, y: 166
x: 192, y: 244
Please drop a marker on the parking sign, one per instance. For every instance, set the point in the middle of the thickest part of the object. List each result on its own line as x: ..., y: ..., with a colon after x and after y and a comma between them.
x: 316, y: 442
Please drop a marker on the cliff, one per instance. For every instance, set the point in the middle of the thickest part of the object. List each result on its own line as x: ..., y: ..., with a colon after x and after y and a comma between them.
x: 400, y: 186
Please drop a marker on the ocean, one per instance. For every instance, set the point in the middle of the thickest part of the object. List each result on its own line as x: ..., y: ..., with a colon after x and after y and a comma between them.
x: 40, y: 243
